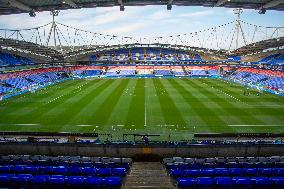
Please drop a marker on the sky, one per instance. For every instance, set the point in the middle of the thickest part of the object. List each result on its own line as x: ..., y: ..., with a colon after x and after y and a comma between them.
x: 144, y: 21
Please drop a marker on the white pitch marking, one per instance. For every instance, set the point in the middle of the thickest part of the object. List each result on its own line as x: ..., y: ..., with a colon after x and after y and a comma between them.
x: 84, y: 125
x: 21, y: 124
x: 256, y: 125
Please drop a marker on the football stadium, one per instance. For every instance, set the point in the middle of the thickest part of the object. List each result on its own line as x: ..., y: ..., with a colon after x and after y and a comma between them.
x: 83, y: 106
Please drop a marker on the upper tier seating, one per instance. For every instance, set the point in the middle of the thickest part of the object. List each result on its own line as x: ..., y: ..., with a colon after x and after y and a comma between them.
x: 7, y: 59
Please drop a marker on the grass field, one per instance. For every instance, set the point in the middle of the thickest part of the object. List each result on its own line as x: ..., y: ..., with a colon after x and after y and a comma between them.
x: 162, y: 106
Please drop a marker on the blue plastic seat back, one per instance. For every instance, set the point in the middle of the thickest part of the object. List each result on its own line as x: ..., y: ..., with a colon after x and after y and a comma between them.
x: 250, y: 171
x: 261, y: 181
x: 266, y: 171
x: 222, y: 171
x: 4, y: 179
x: 278, y: 180
x: 56, y: 179
x: 40, y: 179
x: 4, y: 169
x: 177, y: 172
x: 104, y: 171
x: 94, y: 181
x: 236, y: 171
x: 207, y: 172
x: 204, y: 181
x: 60, y: 170
x: 119, y: 171
x: 186, y: 182
x: 45, y: 169
x: 18, y: 168
x: 31, y: 169
x: 112, y: 181
x: 243, y: 181
x: 74, y: 170
x: 223, y: 181
x: 74, y: 180
x: 89, y: 171
x: 193, y: 172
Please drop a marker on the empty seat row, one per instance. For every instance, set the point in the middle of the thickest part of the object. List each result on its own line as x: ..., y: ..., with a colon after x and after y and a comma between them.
x: 65, y: 163
x: 272, y: 159
x: 222, y: 165
x: 227, y: 172
x: 228, y: 181
x: 63, y: 170
x: 8, y: 180
x: 66, y: 158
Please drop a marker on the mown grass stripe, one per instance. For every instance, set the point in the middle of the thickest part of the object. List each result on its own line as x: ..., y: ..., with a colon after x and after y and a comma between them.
x: 71, y: 108
x: 240, y: 113
x: 260, y: 111
x: 136, y: 111
x: 102, y: 113
x: 118, y: 117
x: 213, y: 122
x: 35, y: 99
x: 171, y: 113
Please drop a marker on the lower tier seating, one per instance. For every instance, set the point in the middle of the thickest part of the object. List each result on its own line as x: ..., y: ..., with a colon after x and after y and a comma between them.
x: 25, y: 171
x: 231, y: 172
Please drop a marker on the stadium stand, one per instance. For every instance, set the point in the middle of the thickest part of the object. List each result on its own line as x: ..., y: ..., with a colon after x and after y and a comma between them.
x: 39, y: 171
x: 227, y: 172
x: 7, y: 59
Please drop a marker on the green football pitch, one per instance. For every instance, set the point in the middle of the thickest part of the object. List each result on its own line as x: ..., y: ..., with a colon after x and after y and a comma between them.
x: 179, y: 107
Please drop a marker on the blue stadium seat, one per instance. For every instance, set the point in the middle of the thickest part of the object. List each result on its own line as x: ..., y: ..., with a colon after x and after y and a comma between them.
x: 40, y: 179
x: 207, y: 172
x: 89, y: 171
x: 74, y: 180
x: 193, y: 172
x: 104, y: 171
x: 186, y: 182
x: 177, y: 172
x: 45, y: 169
x: 112, y: 181
x: 56, y: 179
x: 94, y: 181
x: 266, y: 171
x: 60, y: 170
x: 4, y: 169
x: 31, y: 169
x: 250, y: 171
x: 243, y: 181
x: 278, y: 181
x: 204, y: 181
x: 236, y: 171
x: 261, y: 181
x: 74, y: 170
x: 222, y: 171
x: 3, y: 179
x: 119, y: 171
x: 223, y: 181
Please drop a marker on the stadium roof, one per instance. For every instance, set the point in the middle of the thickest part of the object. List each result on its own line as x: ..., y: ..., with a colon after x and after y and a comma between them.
x: 260, y: 46
x: 30, y: 47
x: 26, y: 6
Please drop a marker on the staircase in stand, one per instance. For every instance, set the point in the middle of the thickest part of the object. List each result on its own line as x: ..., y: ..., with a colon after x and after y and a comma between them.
x: 148, y: 175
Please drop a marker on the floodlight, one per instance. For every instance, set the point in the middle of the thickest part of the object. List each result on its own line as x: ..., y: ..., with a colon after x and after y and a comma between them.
x: 262, y: 11
x: 169, y: 6
x: 32, y: 13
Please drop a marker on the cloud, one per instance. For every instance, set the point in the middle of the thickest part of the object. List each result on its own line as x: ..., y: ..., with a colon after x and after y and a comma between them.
x: 198, y: 14
x: 126, y: 28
